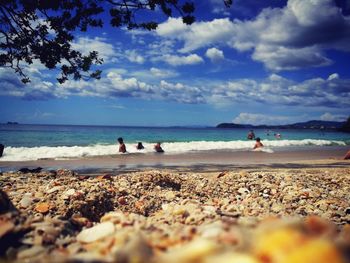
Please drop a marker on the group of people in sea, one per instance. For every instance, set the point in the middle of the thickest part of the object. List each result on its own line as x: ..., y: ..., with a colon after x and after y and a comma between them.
x: 258, y: 143
x: 139, y: 146
x: 251, y: 135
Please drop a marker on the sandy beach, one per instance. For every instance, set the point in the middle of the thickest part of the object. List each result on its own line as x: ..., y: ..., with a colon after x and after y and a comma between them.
x: 231, y: 207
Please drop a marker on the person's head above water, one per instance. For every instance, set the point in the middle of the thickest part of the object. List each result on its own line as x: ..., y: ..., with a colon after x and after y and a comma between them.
x: 120, y: 140
x: 258, y: 139
x: 139, y: 146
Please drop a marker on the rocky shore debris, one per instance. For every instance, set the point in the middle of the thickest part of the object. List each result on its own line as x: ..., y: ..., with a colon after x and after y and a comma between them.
x: 288, y: 215
x: 28, y: 170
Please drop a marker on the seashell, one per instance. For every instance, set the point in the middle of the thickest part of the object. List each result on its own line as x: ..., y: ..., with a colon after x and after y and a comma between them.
x: 26, y: 201
x: 195, y: 251
x: 53, y: 189
x: 42, y: 208
x: 115, y: 217
x: 243, y: 191
x: 96, y: 232
x: 67, y: 194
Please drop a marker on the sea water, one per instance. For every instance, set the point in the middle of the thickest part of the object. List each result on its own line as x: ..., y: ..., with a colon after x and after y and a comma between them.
x: 32, y: 142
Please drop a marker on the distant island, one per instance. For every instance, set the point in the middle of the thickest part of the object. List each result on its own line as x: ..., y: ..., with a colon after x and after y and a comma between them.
x: 12, y: 122
x: 314, y: 124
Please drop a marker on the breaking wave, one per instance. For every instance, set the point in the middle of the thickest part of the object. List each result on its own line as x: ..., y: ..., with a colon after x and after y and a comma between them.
x: 60, y: 152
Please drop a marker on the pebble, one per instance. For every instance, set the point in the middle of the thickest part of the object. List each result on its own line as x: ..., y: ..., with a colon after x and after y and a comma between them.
x: 96, y: 232
x: 165, y: 216
x: 42, y: 208
x: 26, y: 201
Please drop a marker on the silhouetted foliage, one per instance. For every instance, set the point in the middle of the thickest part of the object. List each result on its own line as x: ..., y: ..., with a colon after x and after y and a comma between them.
x: 43, y: 30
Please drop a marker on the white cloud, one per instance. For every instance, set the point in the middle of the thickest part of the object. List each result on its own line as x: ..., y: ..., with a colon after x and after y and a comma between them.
x: 215, y: 55
x: 333, y: 117
x: 175, y: 60
x: 276, y: 90
x: 183, y: 93
x: 260, y: 119
x: 162, y: 73
x: 323, y: 93
x: 105, y: 50
x: 172, y: 27
x: 333, y: 76
x: 199, y: 34
x: 133, y: 56
x: 116, y: 85
x: 38, y: 89
x: 281, y: 58
x: 292, y: 37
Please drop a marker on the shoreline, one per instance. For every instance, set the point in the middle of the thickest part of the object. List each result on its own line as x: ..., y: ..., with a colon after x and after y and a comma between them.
x: 298, y: 158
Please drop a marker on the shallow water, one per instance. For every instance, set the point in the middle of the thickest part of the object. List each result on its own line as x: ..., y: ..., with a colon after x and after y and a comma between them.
x: 32, y: 142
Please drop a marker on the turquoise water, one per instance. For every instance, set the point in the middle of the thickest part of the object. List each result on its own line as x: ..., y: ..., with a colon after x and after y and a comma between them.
x: 32, y: 142
x: 67, y: 135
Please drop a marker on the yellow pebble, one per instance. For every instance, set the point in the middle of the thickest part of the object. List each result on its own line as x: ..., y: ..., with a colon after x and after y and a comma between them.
x: 230, y: 258
x: 274, y: 246
x: 318, y: 250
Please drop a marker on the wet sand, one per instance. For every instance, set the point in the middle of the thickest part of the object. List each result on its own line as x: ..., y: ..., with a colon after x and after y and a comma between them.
x: 293, y: 158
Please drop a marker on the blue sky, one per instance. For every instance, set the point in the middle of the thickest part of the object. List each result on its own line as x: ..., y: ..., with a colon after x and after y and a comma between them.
x: 259, y: 62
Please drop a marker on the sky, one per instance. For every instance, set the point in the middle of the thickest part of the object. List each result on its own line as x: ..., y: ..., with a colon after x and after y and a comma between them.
x: 259, y: 62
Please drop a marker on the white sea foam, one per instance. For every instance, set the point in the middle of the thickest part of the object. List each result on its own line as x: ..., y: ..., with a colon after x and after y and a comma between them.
x: 35, y: 153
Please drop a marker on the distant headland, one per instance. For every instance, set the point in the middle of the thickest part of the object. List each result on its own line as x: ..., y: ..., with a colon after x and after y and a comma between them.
x: 313, y: 124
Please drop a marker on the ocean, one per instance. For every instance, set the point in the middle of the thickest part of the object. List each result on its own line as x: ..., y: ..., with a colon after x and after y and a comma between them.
x: 31, y: 142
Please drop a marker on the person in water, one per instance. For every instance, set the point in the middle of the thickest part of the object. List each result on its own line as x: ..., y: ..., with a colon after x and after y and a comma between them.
x: 251, y: 135
x: 158, y: 148
x: 122, y: 148
x: 139, y: 146
x: 258, y: 144
x: 2, y: 147
x: 278, y: 135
